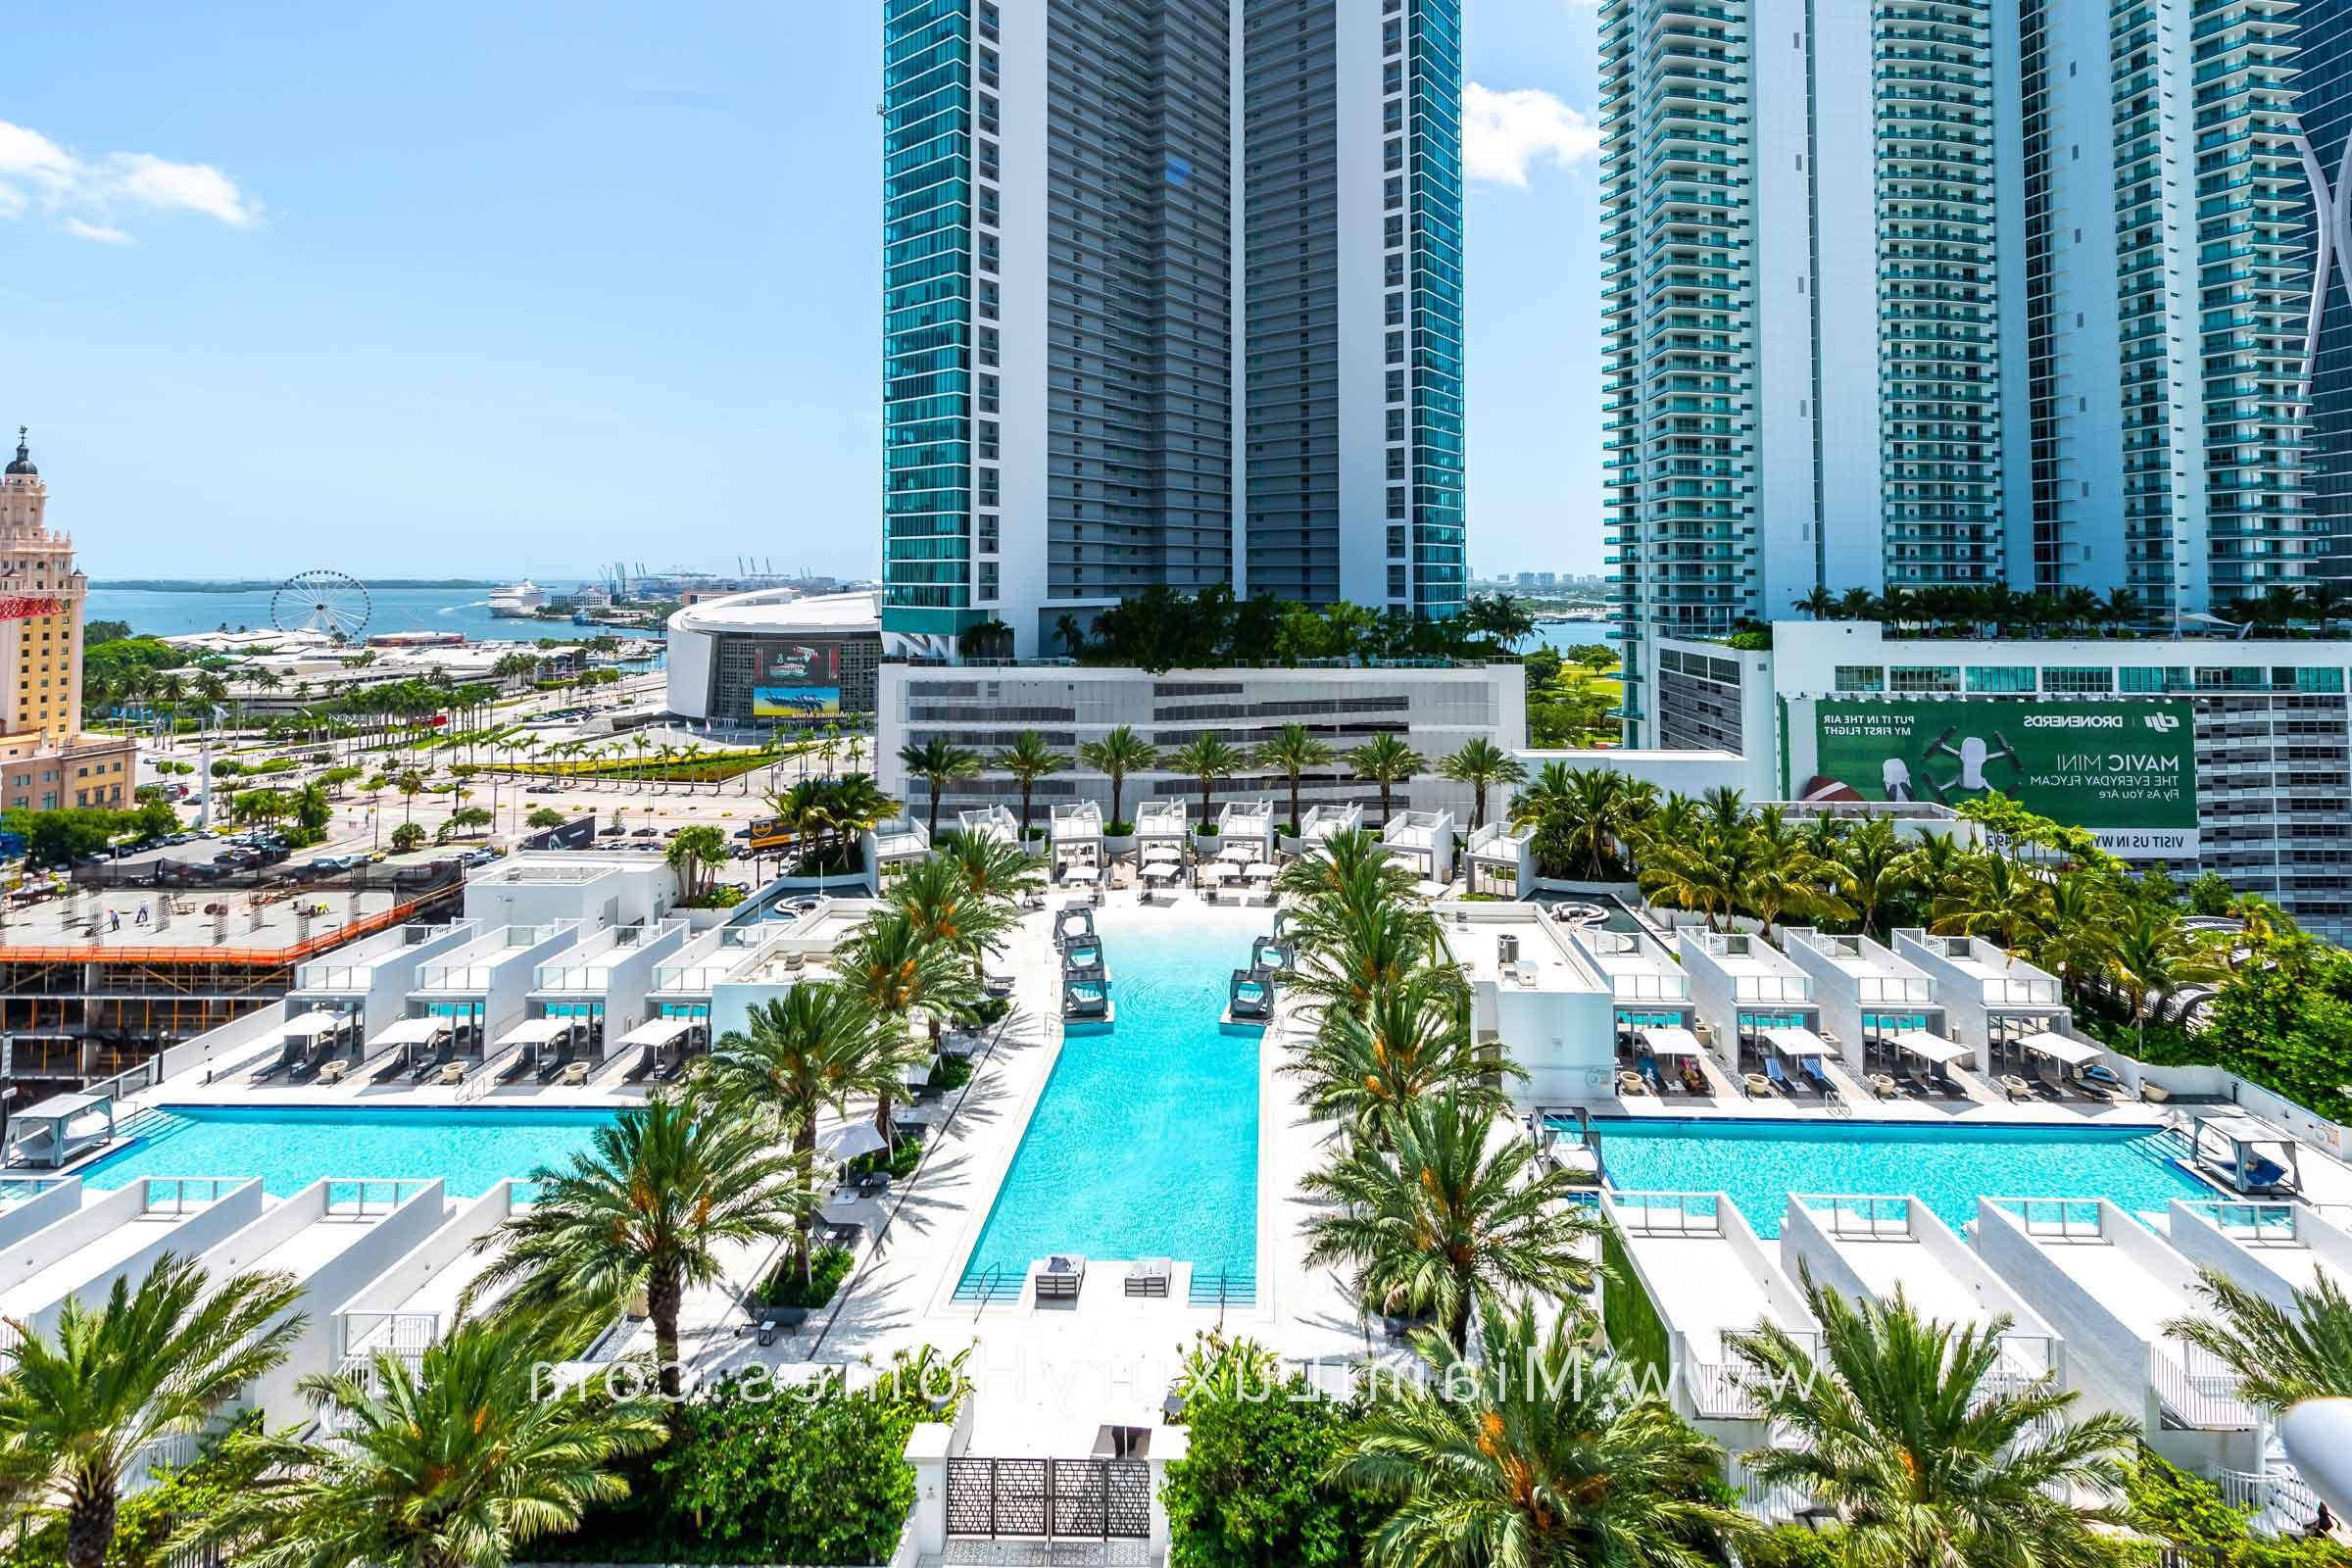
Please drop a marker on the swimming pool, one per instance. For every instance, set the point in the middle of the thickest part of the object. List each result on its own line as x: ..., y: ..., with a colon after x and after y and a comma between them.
x: 1948, y: 1167
x: 290, y: 1147
x: 1144, y: 1141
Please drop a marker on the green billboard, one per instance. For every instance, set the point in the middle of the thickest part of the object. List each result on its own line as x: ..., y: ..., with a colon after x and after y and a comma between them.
x: 2127, y: 770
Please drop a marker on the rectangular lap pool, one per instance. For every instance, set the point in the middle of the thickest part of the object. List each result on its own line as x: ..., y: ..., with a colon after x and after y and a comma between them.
x: 290, y: 1147
x: 1144, y: 1141
x: 1948, y: 1167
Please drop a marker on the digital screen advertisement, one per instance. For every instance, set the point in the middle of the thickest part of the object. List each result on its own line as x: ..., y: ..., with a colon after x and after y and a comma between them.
x: 2126, y: 770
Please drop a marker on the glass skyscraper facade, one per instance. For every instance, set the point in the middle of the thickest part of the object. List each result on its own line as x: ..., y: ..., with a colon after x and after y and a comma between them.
x: 2324, y: 106
x: 1173, y: 297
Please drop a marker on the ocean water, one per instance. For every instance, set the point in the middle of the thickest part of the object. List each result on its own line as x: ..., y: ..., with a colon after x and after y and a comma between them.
x: 1144, y: 1141
x: 1948, y: 1167
x: 459, y: 610
x: 290, y: 1147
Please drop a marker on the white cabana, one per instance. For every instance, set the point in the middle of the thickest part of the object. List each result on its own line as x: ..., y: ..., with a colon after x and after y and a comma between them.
x: 990, y: 823
x: 1422, y: 839
x: 847, y: 1141
x: 1164, y: 852
x: 313, y: 1024
x: 1076, y: 827
x: 536, y: 1032
x: 1934, y: 1048
x: 1321, y: 821
x: 1260, y: 871
x: 659, y: 1031
x: 1798, y: 1044
x: 1249, y: 823
x: 58, y: 1130
x: 1161, y: 871
x: 410, y: 1032
x: 1671, y: 1042
x: 1161, y: 823
x: 1081, y: 874
x: 2063, y: 1048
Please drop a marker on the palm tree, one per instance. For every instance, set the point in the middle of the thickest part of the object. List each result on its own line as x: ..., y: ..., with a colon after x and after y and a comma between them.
x: 1206, y: 759
x: 1445, y: 1217
x: 898, y: 972
x: 1877, y: 868
x: 936, y: 761
x: 1534, y: 1454
x: 1290, y: 751
x: 813, y: 1049
x: 960, y: 900
x: 158, y: 1361
x: 2281, y: 1358
x: 1409, y: 1040
x: 1583, y: 814
x: 1819, y: 603
x: 997, y: 873
x: 1926, y: 1457
x: 409, y: 783
x: 1481, y: 765
x: 1070, y: 634
x: 1120, y: 752
x: 2155, y: 956
x: 1385, y: 760
x: 696, y: 853
x: 1991, y: 895
x: 1027, y: 759
x: 2079, y: 947
x: 651, y: 1204
x: 457, y: 1463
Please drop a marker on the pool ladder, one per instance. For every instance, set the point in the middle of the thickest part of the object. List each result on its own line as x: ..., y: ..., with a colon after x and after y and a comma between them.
x: 986, y: 1290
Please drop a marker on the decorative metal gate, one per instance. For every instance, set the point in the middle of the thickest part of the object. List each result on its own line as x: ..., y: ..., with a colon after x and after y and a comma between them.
x: 1098, y: 1499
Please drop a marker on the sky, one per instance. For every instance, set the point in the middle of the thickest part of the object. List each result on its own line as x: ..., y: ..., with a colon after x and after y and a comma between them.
x: 463, y: 290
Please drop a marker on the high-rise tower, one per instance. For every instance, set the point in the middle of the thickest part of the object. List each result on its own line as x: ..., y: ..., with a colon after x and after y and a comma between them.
x: 1172, y: 296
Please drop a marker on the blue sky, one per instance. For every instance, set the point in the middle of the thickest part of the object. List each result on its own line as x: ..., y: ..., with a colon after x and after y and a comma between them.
x: 476, y: 290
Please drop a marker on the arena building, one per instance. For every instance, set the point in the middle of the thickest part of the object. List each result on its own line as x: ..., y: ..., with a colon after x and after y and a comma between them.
x: 774, y: 655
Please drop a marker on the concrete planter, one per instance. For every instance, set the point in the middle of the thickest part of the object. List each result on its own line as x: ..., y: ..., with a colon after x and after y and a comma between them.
x: 1289, y: 842
x: 1114, y: 846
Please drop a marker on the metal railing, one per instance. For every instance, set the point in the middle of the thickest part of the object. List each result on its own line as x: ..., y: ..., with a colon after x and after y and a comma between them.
x: 2069, y: 1219
x: 175, y: 1451
x: 182, y: 1195
x: 1647, y: 1214
x: 1860, y: 1214
x: 2199, y: 1387
x: 2247, y: 1221
x: 369, y: 1194
x: 2280, y: 1500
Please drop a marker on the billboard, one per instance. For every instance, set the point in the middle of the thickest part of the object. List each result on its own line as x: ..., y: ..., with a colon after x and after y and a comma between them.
x: 2126, y: 770
x: 794, y: 702
x: 802, y: 664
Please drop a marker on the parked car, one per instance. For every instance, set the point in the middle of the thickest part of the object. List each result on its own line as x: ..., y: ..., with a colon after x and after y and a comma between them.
x: 647, y: 833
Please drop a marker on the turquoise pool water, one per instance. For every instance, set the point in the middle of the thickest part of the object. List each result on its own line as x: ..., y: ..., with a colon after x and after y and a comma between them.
x: 1760, y: 1163
x: 1144, y: 1141
x: 290, y: 1147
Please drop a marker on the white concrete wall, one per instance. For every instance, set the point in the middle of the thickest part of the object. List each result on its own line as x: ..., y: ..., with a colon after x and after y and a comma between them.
x: 199, y: 1230
x: 2107, y: 1364
x: 1023, y: 278
x: 45, y: 1208
x: 449, y: 1247
x: 635, y: 890
x: 1362, y: 381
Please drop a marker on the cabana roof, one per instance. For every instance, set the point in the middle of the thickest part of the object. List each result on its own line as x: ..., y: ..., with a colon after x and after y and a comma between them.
x: 1934, y: 1048
x: 659, y: 1031
x: 1322, y: 821
x: 413, y: 1031
x: 2061, y: 1047
x: 1417, y: 830
x: 991, y: 821
x: 1159, y: 820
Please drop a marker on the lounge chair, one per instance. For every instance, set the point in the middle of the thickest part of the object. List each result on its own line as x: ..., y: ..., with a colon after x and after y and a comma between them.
x: 1813, y: 1071
x: 439, y: 1059
x: 1695, y: 1077
x: 312, y: 1058
x: 285, y: 1060
x: 1148, y: 1278
x: 1776, y: 1077
x: 561, y: 1060
x: 2263, y: 1175
x: 645, y: 1062
x: 1060, y: 1277
x: 396, y: 1066
x: 515, y: 1069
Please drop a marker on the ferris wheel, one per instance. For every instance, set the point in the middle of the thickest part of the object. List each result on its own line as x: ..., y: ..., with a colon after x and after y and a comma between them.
x: 328, y: 601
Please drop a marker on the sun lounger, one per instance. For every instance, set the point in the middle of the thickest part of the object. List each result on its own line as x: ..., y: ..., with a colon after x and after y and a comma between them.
x: 1695, y: 1077
x: 285, y: 1060
x: 515, y: 1068
x: 1776, y: 1078
x: 644, y: 1069
x: 560, y: 1061
x: 1813, y: 1071
x: 1148, y: 1278
x: 440, y: 1060
x: 1060, y: 1277
x: 393, y: 1068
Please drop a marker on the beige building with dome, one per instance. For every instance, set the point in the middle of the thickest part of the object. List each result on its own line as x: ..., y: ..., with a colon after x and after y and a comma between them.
x: 46, y: 763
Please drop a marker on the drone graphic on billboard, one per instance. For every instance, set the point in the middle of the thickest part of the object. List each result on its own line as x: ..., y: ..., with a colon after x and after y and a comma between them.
x: 2126, y: 770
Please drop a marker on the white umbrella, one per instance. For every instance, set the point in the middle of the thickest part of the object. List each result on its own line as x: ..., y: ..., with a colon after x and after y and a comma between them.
x: 1225, y: 870
x: 1238, y: 853
x: 1158, y: 872
x: 847, y: 1141
x: 1261, y: 872
x: 1081, y: 873
x: 1164, y: 852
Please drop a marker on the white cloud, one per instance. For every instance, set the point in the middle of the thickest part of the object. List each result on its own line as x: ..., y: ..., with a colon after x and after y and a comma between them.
x: 87, y: 193
x: 1504, y: 132
x: 97, y: 233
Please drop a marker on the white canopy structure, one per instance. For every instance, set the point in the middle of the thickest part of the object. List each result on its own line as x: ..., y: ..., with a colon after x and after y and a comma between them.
x: 1260, y: 871
x: 1320, y: 822
x: 315, y: 1024
x: 1081, y: 874
x: 1932, y: 1047
x: 1161, y: 871
x: 2062, y: 1048
x: 1164, y: 852
x: 411, y: 1032
x: 1422, y: 839
x: 990, y: 823
x: 1161, y: 821
x: 1238, y: 853
x: 1671, y: 1042
x: 1076, y: 829
x: 1798, y: 1044
x: 536, y: 1032
x: 59, y: 1129
x: 659, y: 1031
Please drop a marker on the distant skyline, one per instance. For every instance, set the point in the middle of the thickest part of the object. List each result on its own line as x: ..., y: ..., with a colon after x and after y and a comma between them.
x: 439, y: 292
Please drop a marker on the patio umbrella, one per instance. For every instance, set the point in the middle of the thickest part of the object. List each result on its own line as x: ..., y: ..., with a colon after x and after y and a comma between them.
x: 1158, y: 872
x: 1225, y: 870
x: 1164, y: 852
x: 847, y: 1141
x: 1238, y: 853
x: 1082, y: 873
x: 1261, y: 872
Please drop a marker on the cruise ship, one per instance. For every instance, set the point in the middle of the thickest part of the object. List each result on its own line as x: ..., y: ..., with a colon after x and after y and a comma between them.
x: 523, y: 598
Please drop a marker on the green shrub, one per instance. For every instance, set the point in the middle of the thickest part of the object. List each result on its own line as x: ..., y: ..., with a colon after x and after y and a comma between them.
x: 1790, y: 1547
x: 952, y: 1073
x: 1248, y: 1492
x: 1635, y: 1331
x: 828, y: 1266
x: 754, y: 1474
x: 2186, y: 1513
x: 146, y: 1520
